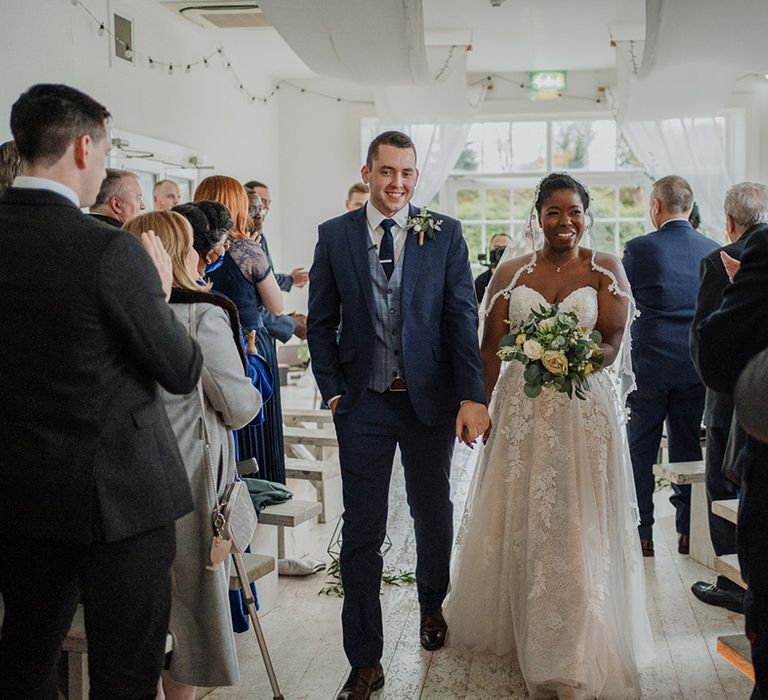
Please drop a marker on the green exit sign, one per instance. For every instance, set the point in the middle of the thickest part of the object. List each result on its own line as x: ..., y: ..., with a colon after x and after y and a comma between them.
x: 547, y: 85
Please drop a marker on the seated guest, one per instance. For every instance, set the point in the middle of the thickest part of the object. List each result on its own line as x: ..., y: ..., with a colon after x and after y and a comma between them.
x: 10, y: 164
x: 204, y: 651
x: 727, y: 340
x: 119, y: 198
x: 357, y: 196
x: 247, y: 279
x: 746, y: 213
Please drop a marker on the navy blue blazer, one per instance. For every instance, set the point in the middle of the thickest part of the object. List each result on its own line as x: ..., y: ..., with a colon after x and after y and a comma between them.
x: 441, y: 353
x: 663, y: 271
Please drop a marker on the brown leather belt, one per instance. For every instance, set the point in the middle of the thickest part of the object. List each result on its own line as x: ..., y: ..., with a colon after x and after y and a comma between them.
x: 397, y: 384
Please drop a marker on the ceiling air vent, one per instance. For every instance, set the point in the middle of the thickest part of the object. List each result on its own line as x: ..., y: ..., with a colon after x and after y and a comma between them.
x: 222, y: 15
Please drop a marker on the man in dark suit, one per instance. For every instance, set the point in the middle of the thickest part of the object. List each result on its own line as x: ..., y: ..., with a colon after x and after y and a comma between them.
x: 91, y: 479
x: 727, y: 340
x: 663, y: 269
x: 404, y: 364
x: 119, y: 198
x: 746, y: 213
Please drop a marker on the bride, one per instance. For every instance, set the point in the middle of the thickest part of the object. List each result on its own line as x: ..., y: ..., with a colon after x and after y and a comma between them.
x: 548, y: 564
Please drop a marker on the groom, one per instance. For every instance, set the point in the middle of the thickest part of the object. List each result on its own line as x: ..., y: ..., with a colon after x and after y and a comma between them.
x: 392, y: 333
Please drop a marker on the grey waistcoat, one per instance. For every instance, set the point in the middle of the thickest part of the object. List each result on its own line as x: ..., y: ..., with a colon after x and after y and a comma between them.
x: 388, y: 323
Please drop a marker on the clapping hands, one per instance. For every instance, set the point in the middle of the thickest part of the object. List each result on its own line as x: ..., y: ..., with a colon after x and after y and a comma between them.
x: 161, y: 260
x: 731, y: 265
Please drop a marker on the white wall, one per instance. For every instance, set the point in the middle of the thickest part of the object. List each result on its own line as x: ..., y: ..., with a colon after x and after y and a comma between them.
x: 55, y: 41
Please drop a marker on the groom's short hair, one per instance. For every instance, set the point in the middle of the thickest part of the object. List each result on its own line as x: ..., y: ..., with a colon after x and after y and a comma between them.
x: 389, y: 138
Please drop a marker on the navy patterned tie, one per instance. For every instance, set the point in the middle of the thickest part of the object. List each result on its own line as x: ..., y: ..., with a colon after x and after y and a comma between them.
x: 387, y: 248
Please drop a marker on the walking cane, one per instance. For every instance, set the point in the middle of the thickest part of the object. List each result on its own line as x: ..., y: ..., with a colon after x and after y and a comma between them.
x: 250, y: 603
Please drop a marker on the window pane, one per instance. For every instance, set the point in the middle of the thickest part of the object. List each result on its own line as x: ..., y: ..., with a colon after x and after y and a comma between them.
x: 631, y: 202
x: 469, y: 158
x: 629, y: 230
x: 601, y: 154
x: 492, y: 230
x: 434, y: 203
x: 625, y: 157
x: 522, y: 204
x: 603, y: 202
x: 497, y: 147
x: 497, y: 204
x: 468, y: 204
x: 473, y: 236
x: 570, y: 144
x: 603, y: 236
x: 529, y: 146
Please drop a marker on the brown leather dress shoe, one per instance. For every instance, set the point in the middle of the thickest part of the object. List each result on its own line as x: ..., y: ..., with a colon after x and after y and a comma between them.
x: 362, y: 682
x: 683, y: 544
x: 433, y: 629
x: 647, y: 547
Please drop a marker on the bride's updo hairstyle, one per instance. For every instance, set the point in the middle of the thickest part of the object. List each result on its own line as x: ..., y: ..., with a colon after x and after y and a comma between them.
x: 554, y: 182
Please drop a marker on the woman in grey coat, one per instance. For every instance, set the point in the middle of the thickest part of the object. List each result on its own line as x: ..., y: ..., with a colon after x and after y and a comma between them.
x: 203, y: 642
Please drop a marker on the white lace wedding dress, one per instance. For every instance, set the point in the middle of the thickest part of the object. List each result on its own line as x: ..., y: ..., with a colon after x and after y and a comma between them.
x: 548, y: 564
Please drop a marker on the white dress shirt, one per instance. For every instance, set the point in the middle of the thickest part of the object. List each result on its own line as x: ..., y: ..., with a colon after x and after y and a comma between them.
x: 27, y: 182
x: 375, y: 217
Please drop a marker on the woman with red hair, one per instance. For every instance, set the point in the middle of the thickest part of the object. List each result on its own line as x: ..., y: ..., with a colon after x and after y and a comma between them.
x: 247, y: 279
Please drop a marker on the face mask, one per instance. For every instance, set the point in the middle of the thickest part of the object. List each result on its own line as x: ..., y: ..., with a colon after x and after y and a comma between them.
x: 210, y: 267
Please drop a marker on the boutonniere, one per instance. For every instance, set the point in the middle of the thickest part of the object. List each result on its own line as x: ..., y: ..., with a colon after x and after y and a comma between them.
x: 423, y: 225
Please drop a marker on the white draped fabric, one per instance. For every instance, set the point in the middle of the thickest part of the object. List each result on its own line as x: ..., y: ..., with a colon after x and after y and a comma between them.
x: 366, y: 41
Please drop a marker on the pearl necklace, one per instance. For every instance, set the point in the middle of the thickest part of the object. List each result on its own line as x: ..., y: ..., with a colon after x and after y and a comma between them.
x: 559, y: 267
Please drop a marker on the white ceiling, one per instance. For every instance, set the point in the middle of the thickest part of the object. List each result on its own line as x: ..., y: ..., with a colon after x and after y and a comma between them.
x: 520, y: 35
x: 523, y: 35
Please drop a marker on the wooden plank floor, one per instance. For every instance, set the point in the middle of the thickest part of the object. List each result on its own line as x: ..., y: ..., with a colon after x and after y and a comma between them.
x: 304, y: 632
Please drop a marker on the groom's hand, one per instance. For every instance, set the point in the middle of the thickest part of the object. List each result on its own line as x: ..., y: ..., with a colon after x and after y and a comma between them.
x: 472, y: 422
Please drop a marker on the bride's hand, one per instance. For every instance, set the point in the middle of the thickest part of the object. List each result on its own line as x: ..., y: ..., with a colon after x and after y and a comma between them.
x: 472, y: 422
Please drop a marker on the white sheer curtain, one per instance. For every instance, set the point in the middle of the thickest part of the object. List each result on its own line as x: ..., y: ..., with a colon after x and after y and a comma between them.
x: 693, y: 148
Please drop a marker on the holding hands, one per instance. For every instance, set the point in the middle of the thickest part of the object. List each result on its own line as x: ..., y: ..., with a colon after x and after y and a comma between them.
x: 472, y: 422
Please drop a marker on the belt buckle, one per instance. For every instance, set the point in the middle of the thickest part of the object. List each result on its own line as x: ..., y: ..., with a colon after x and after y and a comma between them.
x: 398, y: 384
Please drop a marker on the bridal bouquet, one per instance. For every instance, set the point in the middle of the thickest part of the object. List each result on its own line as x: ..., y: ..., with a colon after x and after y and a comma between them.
x: 555, y: 350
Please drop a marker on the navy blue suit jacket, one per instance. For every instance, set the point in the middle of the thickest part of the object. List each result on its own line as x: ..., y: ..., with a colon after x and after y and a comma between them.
x: 441, y: 353
x: 663, y: 271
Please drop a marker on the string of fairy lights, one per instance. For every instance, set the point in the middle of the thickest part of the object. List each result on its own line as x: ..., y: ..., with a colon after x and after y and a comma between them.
x: 220, y: 56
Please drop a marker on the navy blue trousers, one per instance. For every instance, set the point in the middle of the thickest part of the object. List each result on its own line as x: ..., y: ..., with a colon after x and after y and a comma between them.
x: 368, y: 436
x: 681, y: 406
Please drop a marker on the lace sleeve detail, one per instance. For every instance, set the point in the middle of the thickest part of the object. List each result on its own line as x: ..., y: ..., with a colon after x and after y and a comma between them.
x: 492, y: 296
x: 250, y: 259
x: 614, y: 286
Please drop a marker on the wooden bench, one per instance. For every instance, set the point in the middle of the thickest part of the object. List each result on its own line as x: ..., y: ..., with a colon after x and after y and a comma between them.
x: 297, y: 417
x: 692, y: 473
x: 736, y: 651
x: 310, y: 439
x: 728, y: 565
x: 257, y: 566
x: 289, y: 514
x: 728, y: 509
x: 317, y: 473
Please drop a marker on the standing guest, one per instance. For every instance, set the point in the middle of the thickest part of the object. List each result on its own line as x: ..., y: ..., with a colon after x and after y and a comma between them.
x: 727, y: 340
x: 10, y: 164
x: 119, y: 198
x: 204, y: 653
x: 165, y: 195
x: 281, y: 327
x: 663, y: 271
x: 91, y: 479
x: 247, y: 279
x: 357, y: 196
x: 496, y: 249
x: 746, y: 213
x: 400, y: 373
